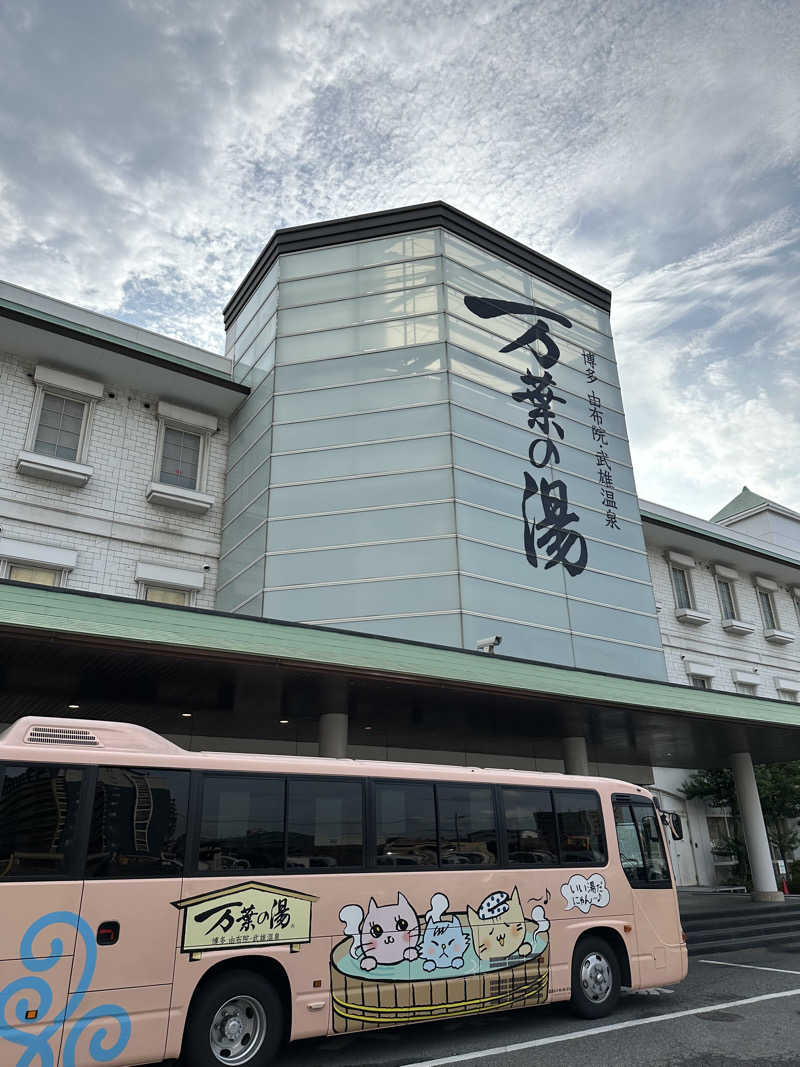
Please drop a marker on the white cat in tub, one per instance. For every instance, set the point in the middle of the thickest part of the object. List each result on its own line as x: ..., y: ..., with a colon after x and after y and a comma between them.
x: 387, y: 934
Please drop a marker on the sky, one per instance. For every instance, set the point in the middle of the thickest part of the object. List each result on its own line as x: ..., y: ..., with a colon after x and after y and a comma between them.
x: 149, y: 148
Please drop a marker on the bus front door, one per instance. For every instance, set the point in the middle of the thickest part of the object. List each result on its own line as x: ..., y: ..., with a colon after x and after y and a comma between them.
x: 661, y: 954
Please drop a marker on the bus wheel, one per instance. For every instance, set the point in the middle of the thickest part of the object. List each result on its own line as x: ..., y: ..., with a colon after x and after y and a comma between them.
x: 236, y: 1019
x: 595, y: 978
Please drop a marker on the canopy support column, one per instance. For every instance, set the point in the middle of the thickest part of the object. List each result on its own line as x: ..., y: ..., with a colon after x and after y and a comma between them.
x: 755, y: 831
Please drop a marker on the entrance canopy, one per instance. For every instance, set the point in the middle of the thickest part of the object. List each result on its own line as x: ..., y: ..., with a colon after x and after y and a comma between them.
x: 206, y: 675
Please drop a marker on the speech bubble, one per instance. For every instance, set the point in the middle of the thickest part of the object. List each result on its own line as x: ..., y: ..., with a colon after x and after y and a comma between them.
x: 584, y: 893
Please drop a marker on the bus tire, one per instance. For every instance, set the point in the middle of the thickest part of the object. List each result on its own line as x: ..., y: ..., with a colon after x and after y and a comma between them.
x: 595, y: 978
x: 237, y: 1017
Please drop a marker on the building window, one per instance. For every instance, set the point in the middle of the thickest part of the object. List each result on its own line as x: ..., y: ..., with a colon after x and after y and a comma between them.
x: 722, y: 831
x: 180, y: 458
x: 768, y: 613
x: 20, y: 572
x: 682, y: 587
x: 161, y: 595
x: 745, y: 689
x: 700, y: 682
x: 60, y: 427
x: 180, y: 468
x: 727, y: 598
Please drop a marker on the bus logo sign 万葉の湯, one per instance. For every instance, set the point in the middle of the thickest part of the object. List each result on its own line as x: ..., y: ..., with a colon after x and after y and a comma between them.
x: 247, y: 915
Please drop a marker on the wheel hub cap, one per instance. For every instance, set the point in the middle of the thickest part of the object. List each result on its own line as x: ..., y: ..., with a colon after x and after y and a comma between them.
x: 596, y: 979
x: 238, y: 1030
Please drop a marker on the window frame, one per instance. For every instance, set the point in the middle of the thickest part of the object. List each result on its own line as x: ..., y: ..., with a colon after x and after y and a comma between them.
x: 89, y: 402
x: 165, y: 423
x: 705, y: 682
x: 7, y: 566
x: 74, y: 868
x: 196, y: 816
x: 465, y: 866
x: 306, y: 871
x: 145, y: 587
x: 686, y: 572
x: 769, y: 596
x: 631, y: 799
x: 95, y: 769
x: 504, y: 849
x: 561, y: 865
x: 730, y: 585
x: 745, y: 689
x: 372, y: 841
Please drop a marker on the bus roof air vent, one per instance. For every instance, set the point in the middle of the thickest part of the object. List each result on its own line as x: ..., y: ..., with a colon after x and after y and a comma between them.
x: 86, y: 733
x: 62, y: 735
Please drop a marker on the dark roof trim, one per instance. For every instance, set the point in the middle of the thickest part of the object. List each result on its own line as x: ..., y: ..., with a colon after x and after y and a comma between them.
x: 771, y: 557
x: 144, y: 356
x: 407, y: 219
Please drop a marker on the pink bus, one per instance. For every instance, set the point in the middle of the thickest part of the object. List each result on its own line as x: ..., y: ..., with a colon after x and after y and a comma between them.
x: 159, y: 903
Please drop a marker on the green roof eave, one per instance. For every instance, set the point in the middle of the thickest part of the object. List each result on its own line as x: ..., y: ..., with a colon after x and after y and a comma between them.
x: 88, y: 615
x: 99, y: 338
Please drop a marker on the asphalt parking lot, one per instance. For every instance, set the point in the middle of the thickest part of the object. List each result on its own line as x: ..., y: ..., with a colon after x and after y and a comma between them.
x: 735, y: 1008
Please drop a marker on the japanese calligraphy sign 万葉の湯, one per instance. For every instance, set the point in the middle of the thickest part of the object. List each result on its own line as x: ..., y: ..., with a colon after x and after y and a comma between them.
x: 248, y: 915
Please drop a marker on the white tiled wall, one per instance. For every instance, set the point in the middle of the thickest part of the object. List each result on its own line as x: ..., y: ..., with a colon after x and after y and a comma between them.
x: 108, y: 521
x: 715, y: 647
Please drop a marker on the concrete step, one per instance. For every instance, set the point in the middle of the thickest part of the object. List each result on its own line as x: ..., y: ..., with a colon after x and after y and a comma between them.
x: 701, y: 948
x: 734, y: 933
x: 764, y: 913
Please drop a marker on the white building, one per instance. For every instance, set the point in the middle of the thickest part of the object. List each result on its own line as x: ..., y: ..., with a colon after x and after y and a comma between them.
x: 728, y: 598
x: 112, y: 454
x: 392, y: 454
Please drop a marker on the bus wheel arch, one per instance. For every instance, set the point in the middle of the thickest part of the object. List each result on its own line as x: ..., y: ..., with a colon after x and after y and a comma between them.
x: 264, y: 967
x: 617, y: 943
x: 600, y: 967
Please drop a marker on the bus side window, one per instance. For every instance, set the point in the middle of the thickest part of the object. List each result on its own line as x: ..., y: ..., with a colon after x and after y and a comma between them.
x: 405, y: 823
x: 467, y: 826
x: 641, y: 848
x: 38, y: 820
x: 630, y: 847
x: 242, y: 823
x: 138, y: 827
x: 530, y: 827
x: 581, y: 833
x: 325, y: 823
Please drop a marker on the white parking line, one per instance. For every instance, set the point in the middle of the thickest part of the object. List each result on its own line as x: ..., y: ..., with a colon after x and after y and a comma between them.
x: 748, y: 966
x: 593, y: 1031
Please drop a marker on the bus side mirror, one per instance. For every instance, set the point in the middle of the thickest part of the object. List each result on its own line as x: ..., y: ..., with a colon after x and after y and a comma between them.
x: 676, y: 826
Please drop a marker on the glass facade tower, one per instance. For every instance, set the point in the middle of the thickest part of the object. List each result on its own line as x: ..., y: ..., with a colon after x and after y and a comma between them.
x: 434, y: 448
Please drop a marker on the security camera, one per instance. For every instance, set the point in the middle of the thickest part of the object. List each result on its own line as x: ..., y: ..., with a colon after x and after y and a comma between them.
x: 489, y: 644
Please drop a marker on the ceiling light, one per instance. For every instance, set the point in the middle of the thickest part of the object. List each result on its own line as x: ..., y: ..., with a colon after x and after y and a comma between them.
x: 367, y: 727
x: 73, y: 707
x: 186, y: 714
x: 283, y: 722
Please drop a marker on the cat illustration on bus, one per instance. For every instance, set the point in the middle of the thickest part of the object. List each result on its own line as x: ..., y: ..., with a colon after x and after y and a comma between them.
x: 390, y: 934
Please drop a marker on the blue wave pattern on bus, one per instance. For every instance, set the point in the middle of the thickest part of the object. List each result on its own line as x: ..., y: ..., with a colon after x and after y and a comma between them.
x: 37, y: 1050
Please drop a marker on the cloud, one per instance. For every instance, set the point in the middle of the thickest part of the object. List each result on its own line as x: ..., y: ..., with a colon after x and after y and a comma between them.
x: 709, y: 371
x: 148, y: 149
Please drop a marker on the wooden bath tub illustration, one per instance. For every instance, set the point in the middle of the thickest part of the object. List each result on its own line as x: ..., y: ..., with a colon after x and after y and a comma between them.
x: 394, y: 968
